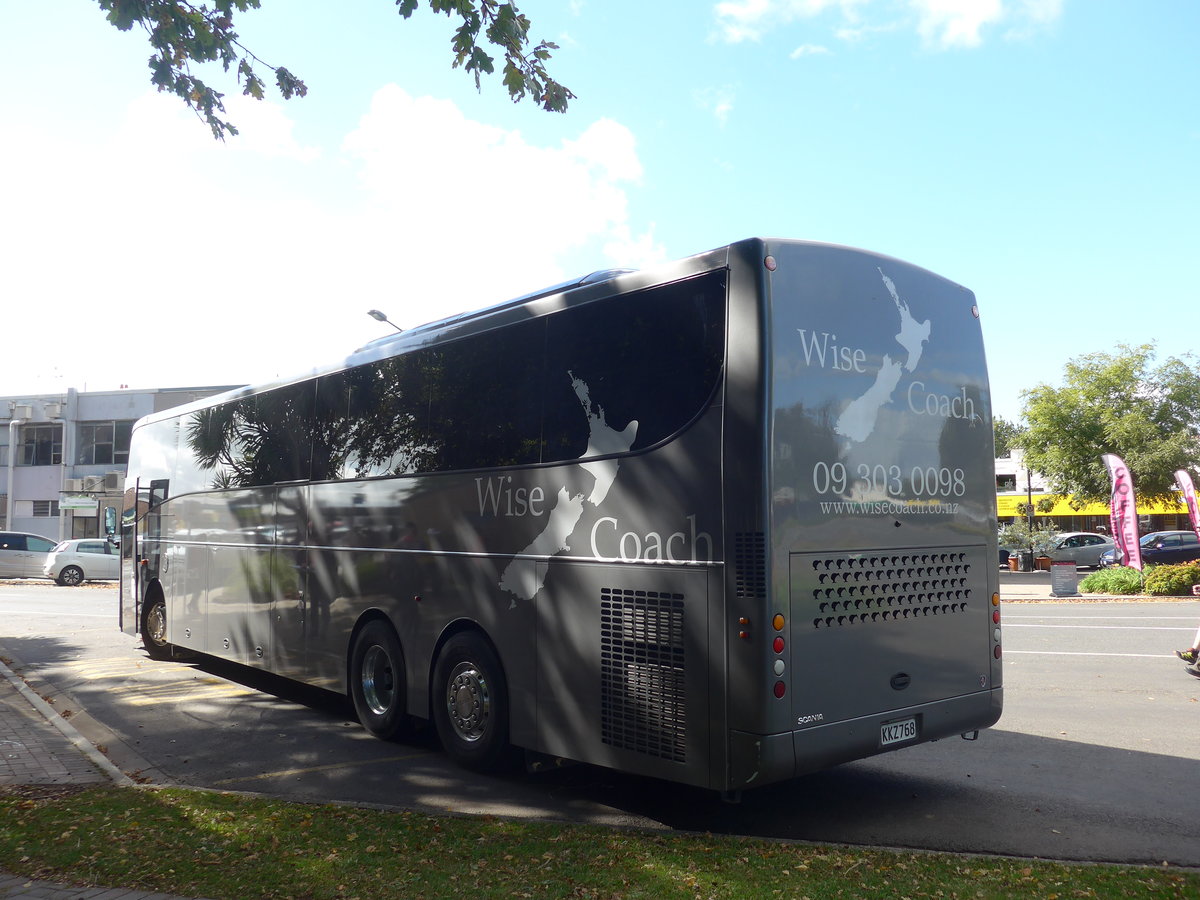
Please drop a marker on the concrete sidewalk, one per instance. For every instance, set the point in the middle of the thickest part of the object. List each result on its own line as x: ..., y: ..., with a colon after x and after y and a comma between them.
x: 1026, y: 590
x: 39, y: 747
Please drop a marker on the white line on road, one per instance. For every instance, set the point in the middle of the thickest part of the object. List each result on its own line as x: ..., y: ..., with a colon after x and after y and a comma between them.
x: 1013, y: 615
x: 1077, y: 653
x: 1007, y: 624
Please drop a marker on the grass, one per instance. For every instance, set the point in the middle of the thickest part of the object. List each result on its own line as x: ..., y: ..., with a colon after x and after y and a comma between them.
x: 198, y: 843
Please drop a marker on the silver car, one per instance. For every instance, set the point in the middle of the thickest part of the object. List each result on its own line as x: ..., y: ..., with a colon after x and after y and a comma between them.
x: 1081, y: 547
x: 77, y: 561
x: 23, y: 555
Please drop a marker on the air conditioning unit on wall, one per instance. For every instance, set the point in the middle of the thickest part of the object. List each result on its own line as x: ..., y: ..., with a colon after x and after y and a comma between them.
x: 112, y: 481
x: 73, y: 485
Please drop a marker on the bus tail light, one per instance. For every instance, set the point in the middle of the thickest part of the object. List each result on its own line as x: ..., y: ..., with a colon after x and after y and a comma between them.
x: 996, y: 626
x: 777, y: 644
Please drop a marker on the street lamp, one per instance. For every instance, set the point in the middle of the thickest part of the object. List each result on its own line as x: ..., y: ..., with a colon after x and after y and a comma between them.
x: 380, y: 317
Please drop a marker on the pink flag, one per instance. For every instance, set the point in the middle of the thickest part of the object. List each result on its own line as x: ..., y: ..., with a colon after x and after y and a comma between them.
x: 1189, y: 498
x: 1123, y: 510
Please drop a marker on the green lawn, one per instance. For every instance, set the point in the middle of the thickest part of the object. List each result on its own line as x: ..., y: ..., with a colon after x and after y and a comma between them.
x: 197, y: 843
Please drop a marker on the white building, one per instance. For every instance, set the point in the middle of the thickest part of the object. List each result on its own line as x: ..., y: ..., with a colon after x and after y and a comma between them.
x: 63, y: 456
x: 1012, y: 477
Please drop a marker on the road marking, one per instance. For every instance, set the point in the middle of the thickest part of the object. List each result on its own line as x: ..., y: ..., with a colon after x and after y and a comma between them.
x: 1007, y: 624
x: 1078, y: 653
x: 1013, y: 615
x: 142, y: 696
x: 145, y: 692
x: 41, y: 611
x: 285, y: 773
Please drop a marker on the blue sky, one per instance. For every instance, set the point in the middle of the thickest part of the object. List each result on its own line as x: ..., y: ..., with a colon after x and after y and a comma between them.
x: 1044, y: 153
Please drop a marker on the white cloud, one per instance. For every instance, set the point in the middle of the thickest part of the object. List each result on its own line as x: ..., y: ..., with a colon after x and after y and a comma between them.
x: 718, y: 101
x: 259, y: 257
x: 749, y: 20
x: 940, y: 23
x: 501, y: 211
x: 808, y: 50
x: 955, y: 23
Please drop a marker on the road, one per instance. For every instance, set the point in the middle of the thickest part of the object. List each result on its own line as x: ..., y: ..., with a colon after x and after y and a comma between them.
x: 1096, y: 757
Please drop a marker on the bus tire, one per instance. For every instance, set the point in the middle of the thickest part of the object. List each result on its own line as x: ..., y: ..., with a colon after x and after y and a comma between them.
x: 377, y: 683
x: 154, y: 628
x: 470, y: 704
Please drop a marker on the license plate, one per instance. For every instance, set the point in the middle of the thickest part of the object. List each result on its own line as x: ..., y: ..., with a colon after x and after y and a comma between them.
x: 897, y: 732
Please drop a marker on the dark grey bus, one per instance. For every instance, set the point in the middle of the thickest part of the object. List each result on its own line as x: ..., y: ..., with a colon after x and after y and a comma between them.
x: 723, y: 522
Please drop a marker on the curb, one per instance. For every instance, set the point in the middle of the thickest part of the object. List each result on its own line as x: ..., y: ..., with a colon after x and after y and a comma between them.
x: 82, y: 744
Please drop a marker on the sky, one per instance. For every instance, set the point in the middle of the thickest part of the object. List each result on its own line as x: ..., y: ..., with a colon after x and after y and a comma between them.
x: 1043, y: 153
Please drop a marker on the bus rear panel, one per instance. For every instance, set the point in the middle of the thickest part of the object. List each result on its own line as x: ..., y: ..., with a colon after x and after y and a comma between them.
x: 879, y: 621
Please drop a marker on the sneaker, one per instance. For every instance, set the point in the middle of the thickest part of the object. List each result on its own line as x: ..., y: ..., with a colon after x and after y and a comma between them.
x: 1193, y: 670
x: 1188, y: 656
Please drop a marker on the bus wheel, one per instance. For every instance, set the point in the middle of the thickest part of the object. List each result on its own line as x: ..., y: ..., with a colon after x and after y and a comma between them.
x: 470, y: 703
x: 377, y: 683
x: 154, y: 629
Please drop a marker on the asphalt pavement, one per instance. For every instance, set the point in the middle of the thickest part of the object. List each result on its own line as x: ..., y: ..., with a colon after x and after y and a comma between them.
x: 40, y: 747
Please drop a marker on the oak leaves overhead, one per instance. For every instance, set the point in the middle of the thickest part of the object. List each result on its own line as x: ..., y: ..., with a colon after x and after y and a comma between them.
x: 183, y: 33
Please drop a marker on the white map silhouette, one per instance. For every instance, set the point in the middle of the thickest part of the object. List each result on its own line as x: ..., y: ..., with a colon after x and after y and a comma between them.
x: 857, y: 420
x: 520, y: 578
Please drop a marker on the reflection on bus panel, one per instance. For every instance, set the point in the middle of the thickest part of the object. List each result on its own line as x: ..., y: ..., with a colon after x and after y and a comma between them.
x: 723, y: 522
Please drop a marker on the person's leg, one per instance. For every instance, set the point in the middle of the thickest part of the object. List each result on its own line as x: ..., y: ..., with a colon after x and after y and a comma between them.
x: 1190, y: 654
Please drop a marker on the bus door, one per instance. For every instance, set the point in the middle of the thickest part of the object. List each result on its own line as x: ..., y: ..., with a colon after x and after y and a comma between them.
x: 141, y: 527
x: 127, y: 609
x: 291, y: 588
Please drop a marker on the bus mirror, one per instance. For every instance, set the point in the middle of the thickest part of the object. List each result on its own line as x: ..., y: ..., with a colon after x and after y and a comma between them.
x: 110, y: 521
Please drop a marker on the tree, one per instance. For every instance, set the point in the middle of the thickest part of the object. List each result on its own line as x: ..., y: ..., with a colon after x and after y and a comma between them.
x: 1020, y: 534
x: 183, y: 33
x: 1005, y: 434
x: 1115, y: 403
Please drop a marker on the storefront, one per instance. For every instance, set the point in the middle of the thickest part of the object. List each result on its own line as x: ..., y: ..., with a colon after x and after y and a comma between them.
x: 1091, y: 517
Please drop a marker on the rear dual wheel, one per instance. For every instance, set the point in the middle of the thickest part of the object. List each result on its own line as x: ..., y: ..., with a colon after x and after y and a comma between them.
x: 470, y: 704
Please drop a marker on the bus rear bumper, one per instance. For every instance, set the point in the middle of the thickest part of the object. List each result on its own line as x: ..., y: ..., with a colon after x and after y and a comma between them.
x: 760, y: 759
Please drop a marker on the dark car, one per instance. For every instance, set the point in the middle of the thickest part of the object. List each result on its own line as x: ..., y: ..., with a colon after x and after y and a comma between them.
x: 1161, y: 547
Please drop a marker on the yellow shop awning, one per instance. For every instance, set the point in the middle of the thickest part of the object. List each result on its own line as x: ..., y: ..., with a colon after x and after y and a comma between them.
x: 1007, y: 507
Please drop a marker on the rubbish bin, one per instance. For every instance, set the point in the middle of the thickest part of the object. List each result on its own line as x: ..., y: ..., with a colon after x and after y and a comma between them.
x: 1025, y: 560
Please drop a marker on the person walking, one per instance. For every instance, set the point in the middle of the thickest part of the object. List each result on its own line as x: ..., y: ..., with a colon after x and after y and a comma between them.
x: 1191, y: 656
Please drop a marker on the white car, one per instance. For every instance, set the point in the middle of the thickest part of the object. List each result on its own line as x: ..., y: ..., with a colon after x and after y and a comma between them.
x: 1081, y: 547
x: 77, y: 561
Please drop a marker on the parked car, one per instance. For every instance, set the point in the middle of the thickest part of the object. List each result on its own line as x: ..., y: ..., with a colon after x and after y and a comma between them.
x: 1159, y: 547
x: 1081, y: 547
x: 23, y: 555
x: 77, y: 561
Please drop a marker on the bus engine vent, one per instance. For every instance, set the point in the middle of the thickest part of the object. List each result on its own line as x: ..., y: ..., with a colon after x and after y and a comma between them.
x: 750, y: 564
x: 642, y: 696
x: 866, y: 588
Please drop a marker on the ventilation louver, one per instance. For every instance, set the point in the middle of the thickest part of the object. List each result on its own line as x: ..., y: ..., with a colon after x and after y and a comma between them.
x: 642, y: 691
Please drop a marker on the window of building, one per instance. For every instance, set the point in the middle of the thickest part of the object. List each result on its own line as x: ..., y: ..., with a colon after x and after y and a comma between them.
x: 45, y: 509
x: 41, y: 445
x: 104, y: 443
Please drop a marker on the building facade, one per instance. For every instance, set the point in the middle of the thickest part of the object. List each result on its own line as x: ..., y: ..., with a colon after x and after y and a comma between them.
x: 63, y: 456
x: 1018, y: 486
